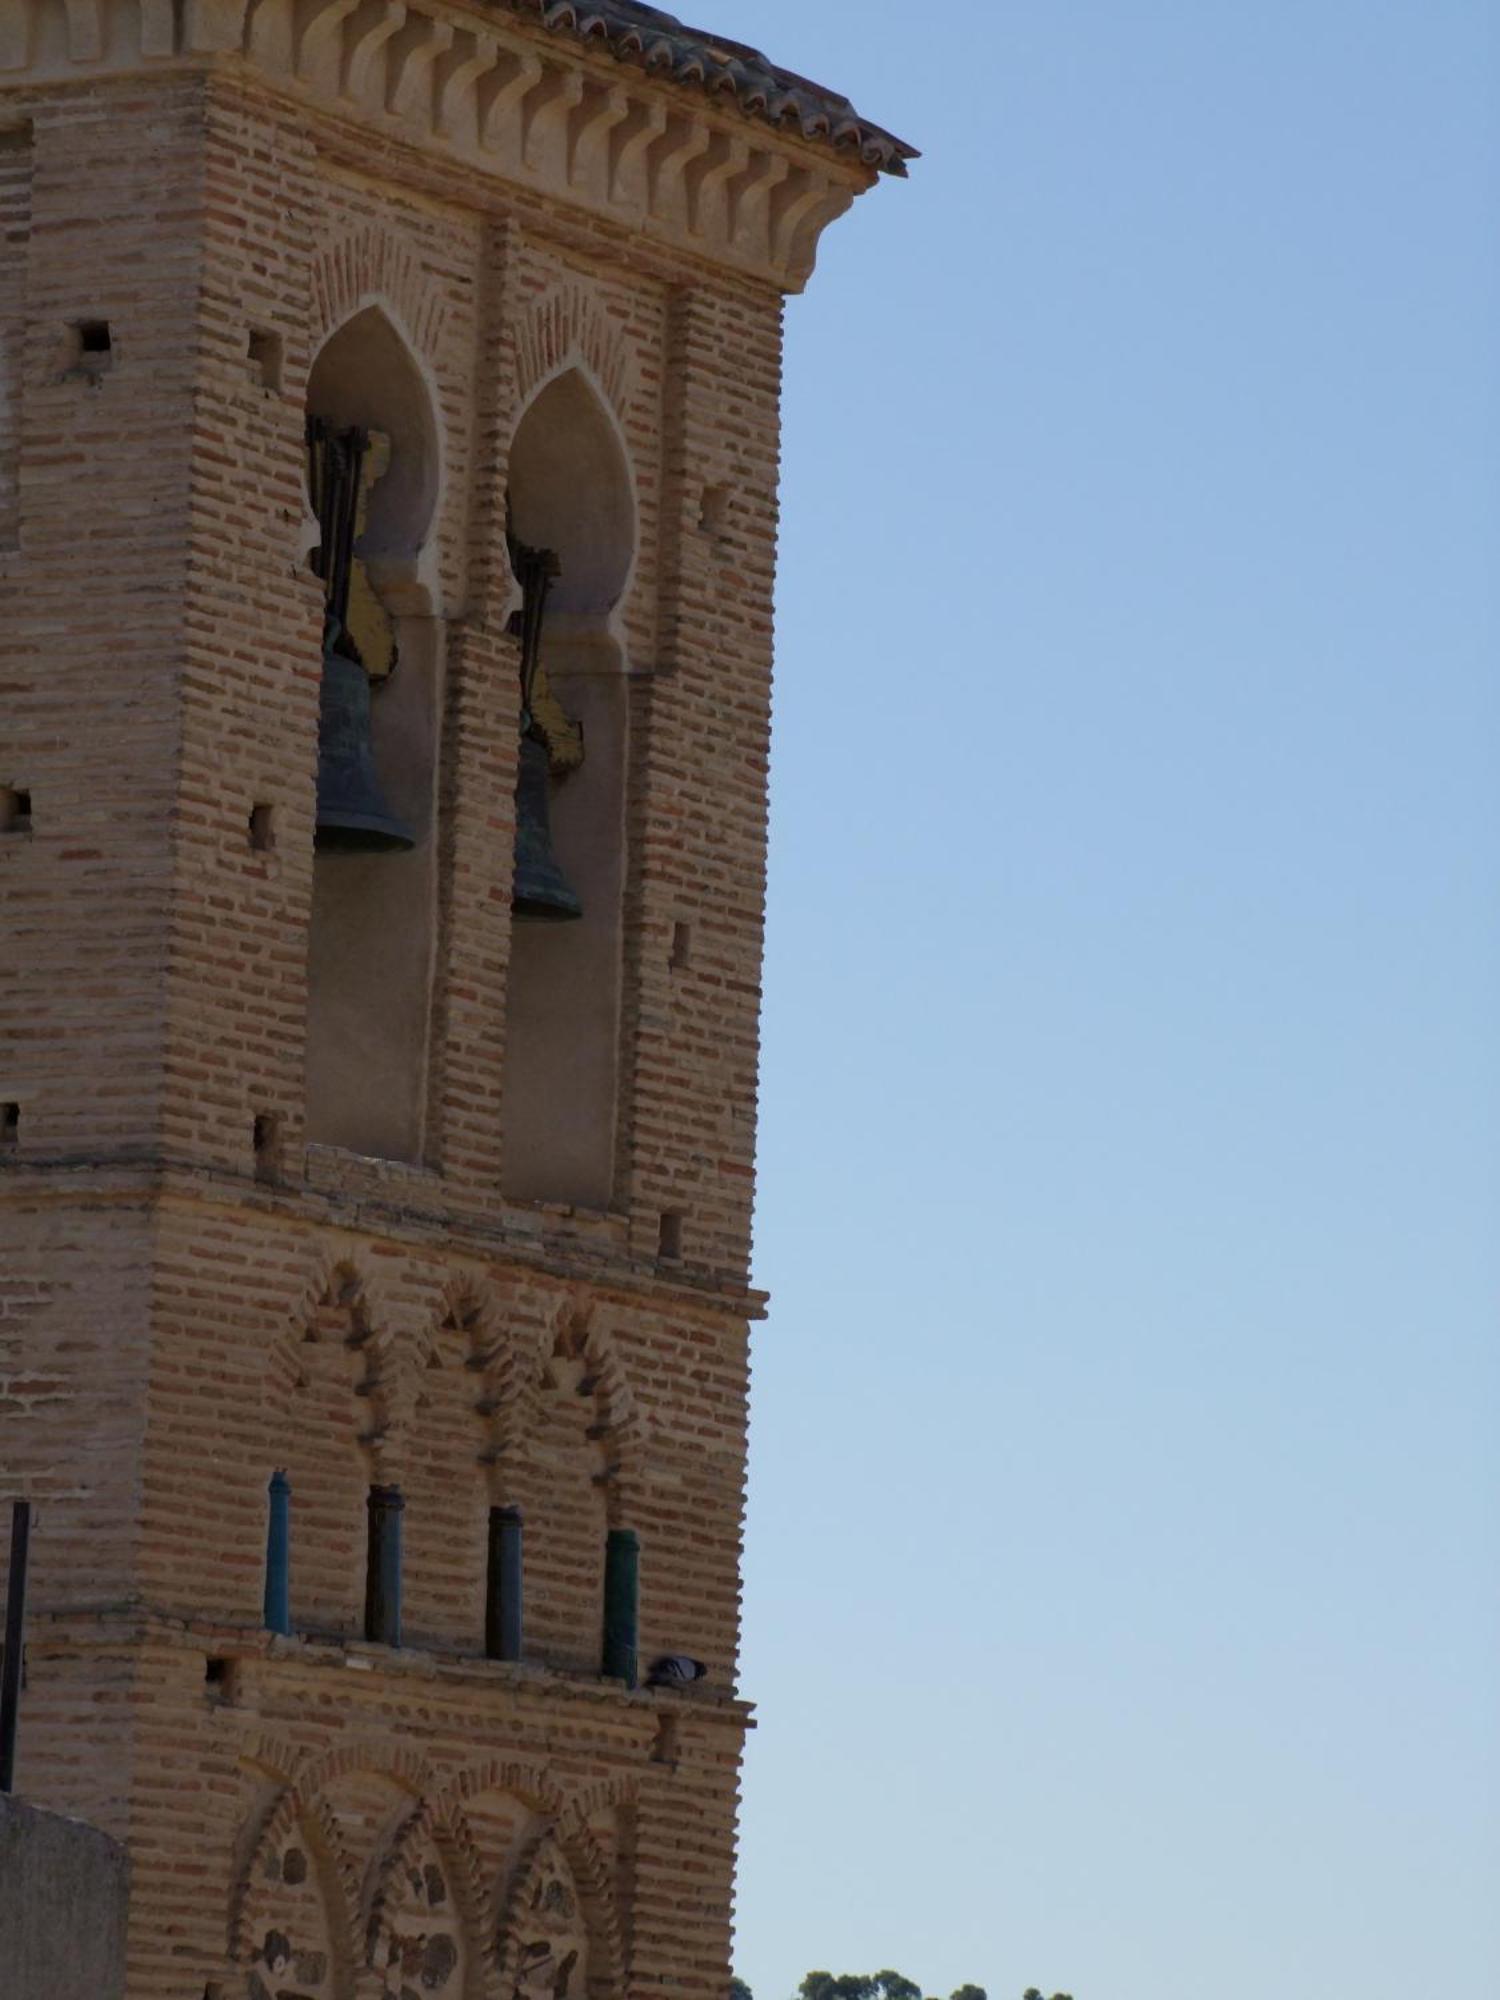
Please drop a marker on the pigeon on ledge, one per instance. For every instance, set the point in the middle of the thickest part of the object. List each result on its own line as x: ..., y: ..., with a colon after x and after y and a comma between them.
x: 674, y: 1670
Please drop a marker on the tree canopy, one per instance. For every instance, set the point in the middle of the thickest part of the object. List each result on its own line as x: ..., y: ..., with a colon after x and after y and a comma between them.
x: 859, y: 1986
x: 885, y: 1985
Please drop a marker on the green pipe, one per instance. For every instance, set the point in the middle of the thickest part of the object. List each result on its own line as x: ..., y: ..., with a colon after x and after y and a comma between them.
x: 622, y: 1604
x: 502, y: 1600
x: 383, y: 1566
x: 278, y: 1604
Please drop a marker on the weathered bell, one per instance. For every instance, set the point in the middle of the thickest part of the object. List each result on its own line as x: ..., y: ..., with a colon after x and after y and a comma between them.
x: 540, y: 891
x: 352, y: 811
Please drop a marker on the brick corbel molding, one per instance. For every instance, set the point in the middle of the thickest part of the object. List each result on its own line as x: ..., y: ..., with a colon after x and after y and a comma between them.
x: 516, y: 104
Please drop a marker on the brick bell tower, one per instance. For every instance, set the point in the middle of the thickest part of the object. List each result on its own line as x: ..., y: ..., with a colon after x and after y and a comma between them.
x: 388, y: 434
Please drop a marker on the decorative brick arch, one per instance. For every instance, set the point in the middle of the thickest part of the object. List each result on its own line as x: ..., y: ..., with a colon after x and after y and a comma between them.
x: 341, y: 1305
x: 606, y: 1794
x: 339, y: 1287
x: 577, y: 1329
x: 407, y: 1769
x: 362, y: 1908
x: 356, y: 1905
x: 437, y: 1817
x: 371, y: 265
x: 301, y: 1781
x: 467, y: 1325
x: 467, y: 1305
x: 293, y: 1814
x: 570, y: 1841
x: 273, y: 1757
x: 464, y: 1314
x: 467, y: 1316
x: 440, y: 1824
x: 568, y: 327
x: 530, y: 1783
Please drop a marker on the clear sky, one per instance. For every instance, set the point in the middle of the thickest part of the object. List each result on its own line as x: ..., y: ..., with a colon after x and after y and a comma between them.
x: 1123, y: 1537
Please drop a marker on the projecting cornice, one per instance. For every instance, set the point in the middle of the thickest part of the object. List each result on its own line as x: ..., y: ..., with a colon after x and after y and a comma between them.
x: 748, y: 176
x: 636, y: 33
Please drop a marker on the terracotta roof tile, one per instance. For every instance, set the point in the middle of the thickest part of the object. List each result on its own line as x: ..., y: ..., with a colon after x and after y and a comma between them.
x: 658, y: 41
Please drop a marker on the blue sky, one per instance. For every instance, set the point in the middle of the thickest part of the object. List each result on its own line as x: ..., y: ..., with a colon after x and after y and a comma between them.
x: 1123, y: 1528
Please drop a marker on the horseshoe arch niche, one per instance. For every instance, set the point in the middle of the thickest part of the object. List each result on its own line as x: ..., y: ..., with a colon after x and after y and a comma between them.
x: 571, y: 493
x: 371, y: 942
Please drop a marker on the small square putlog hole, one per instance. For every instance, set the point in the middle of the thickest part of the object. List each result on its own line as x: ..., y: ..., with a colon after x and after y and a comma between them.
x: 93, y: 346
x: 266, y: 1145
x: 15, y: 809
x: 262, y: 829
x: 713, y: 510
x: 265, y: 357
x: 667, y: 1749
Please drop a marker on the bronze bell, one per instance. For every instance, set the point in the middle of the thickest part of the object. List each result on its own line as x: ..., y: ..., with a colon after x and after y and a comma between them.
x: 353, y: 815
x: 540, y: 892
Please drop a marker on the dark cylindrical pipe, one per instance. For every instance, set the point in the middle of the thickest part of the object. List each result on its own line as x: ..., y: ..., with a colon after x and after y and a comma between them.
x: 15, y: 1639
x: 502, y: 1599
x: 278, y: 1610
x: 383, y: 1567
x: 622, y: 1604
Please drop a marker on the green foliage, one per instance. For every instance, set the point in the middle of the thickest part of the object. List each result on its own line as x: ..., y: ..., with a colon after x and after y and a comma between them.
x: 885, y: 1985
x: 875, y: 1986
x: 859, y: 1986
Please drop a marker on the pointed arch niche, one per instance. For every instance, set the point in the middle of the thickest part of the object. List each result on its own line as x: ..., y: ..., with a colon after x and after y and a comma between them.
x: 371, y: 942
x: 571, y: 492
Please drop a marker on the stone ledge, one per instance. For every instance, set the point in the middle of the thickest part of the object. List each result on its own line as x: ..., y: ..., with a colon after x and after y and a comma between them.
x: 550, y: 1239
x: 106, y: 1627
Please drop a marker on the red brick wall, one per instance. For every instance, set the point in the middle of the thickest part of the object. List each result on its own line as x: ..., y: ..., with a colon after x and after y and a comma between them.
x: 171, y: 1328
x: 91, y: 609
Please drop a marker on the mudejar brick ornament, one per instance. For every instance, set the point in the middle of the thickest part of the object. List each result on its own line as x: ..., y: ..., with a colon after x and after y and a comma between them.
x: 388, y: 449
